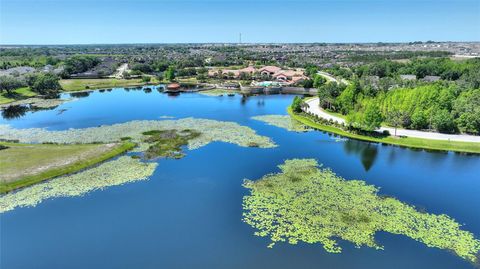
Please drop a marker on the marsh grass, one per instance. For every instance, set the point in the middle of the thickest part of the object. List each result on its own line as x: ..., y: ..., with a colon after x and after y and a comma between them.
x: 168, y: 143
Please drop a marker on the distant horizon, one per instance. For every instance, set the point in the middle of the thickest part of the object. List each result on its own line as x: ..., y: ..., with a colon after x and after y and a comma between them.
x: 240, y: 44
x: 75, y: 22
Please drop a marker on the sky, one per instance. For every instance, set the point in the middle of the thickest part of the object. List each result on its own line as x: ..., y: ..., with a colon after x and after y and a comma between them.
x: 259, y: 21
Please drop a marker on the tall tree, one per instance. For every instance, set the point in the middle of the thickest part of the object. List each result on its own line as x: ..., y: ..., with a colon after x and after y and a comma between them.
x: 396, y: 118
x: 169, y: 74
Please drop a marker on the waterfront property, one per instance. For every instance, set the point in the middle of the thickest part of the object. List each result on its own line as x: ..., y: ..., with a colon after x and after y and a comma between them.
x: 275, y: 73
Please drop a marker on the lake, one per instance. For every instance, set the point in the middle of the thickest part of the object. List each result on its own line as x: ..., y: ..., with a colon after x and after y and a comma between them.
x: 189, y: 213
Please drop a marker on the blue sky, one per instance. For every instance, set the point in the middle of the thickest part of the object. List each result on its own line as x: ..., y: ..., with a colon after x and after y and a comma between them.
x: 168, y: 21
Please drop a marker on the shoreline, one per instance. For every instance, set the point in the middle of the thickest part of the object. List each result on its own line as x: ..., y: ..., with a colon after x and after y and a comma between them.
x: 68, y: 169
x: 408, y: 142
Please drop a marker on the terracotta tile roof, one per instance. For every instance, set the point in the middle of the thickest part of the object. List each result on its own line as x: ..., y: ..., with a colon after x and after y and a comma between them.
x: 270, y: 69
x: 249, y: 69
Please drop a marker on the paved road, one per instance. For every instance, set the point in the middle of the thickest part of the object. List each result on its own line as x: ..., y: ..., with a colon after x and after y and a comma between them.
x: 313, y: 107
x: 331, y: 78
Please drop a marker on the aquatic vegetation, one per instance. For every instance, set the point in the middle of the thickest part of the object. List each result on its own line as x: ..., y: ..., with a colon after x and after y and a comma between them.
x: 211, y: 130
x: 283, y: 121
x: 313, y: 205
x: 112, y: 173
x: 38, y: 102
x: 167, y: 143
x: 154, y: 139
x: 217, y: 92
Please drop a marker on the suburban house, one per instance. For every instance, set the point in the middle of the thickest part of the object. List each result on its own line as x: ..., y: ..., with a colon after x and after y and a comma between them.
x: 248, y: 70
x: 288, y: 75
x: 408, y: 77
x: 431, y: 78
x: 269, y: 70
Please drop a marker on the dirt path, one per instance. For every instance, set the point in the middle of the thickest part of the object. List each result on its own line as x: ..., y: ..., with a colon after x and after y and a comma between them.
x: 119, y: 73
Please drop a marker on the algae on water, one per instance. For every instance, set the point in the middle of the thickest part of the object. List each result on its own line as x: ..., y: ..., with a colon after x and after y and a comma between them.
x: 211, y: 130
x: 283, y: 121
x: 313, y: 205
x: 112, y: 173
x: 166, y: 140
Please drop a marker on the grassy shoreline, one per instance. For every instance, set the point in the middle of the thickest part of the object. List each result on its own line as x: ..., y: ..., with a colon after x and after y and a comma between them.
x: 55, y: 172
x: 73, y: 85
x: 410, y: 142
x: 18, y: 94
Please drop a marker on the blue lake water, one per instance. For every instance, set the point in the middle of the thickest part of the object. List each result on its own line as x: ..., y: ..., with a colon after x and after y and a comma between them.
x: 188, y: 214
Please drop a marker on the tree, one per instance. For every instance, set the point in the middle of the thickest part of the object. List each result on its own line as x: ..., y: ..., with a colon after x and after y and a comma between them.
x: 169, y: 74
x: 396, y: 118
x: 372, y: 117
x: 369, y: 119
x: 245, y: 76
x: 46, y: 84
x: 443, y: 122
x: 318, y: 81
x: 466, y: 110
x: 142, y: 68
x: 9, y: 84
x: 297, y: 104
x: 418, y: 121
x: 80, y: 63
x: 307, y: 83
x: 311, y: 70
x: 146, y: 79
x: 346, y: 100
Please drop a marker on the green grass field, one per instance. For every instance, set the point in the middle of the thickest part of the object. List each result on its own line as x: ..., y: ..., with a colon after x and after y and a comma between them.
x: 20, y: 93
x: 26, y: 164
x: 98, y: 83
x: 418, y: 143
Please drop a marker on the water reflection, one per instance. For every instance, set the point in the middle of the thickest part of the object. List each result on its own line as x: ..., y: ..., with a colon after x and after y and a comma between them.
x: 367, y: 151
x: 15, y: 111
x: 80, y: 94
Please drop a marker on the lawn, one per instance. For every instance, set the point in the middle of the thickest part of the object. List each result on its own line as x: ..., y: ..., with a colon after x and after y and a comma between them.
x: 99, y: 83
x: 20, y: 93
x: 27, y: 164
x: 411, y: 142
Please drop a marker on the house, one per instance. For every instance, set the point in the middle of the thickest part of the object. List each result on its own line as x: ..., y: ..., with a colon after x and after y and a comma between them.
x: 269, y: 70
x: 286, y: 75
x: 297, y: 79
x: 17, y: 71
x: 431, y: 78
x: 248, y: 70
x: 408, y: 77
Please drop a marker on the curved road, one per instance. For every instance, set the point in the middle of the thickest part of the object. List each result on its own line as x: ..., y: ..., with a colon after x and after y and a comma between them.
x: 313, y: 107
